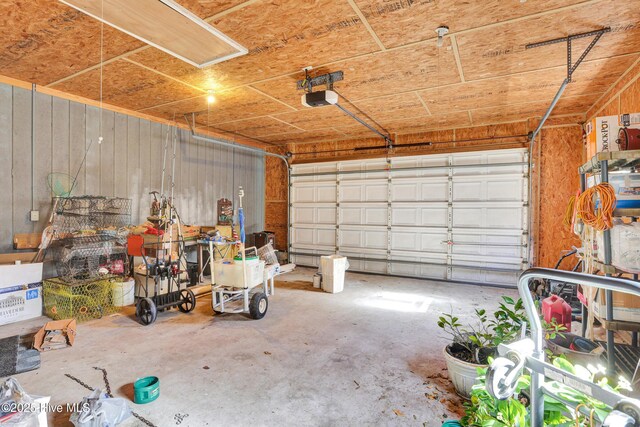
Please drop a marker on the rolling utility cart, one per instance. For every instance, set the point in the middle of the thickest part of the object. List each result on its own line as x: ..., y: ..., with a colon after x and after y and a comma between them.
x: 164, y: 286
x: 240, y: 280
x: 505, y: 371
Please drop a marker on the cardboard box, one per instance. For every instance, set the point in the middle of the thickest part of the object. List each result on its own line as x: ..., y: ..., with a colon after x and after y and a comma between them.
x: 602, y: 132
x: 66, y: 326
x: 20, y: 303
x: 623, y: 314
x: 12, y: 274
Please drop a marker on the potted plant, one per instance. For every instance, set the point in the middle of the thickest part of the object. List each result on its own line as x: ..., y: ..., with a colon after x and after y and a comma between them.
x: 472, y: 344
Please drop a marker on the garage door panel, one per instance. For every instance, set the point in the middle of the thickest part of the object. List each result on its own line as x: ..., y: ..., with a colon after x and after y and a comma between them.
x: 487, y: 245
x: 377, y: 264
x: 432, y: 267
x: 494, y: 189
x: 323, y: 192
x: 484, y: 276
x: 364, y: 237
x: 487, y: 217
x: 418, y: 239
x: 364, y: 191
x: 413, y: 215
x: 502, y: 157
x: 419, y: 190
x: 314, y: 236
x: 433, y: 161
x: 370, y: 215
x: 313, y: 215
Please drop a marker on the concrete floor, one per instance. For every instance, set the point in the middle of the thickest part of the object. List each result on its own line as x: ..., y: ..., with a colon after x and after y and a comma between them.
x: 369, y: 355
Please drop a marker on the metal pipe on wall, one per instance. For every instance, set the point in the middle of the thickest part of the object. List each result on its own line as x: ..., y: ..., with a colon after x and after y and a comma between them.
x: 231, y: 144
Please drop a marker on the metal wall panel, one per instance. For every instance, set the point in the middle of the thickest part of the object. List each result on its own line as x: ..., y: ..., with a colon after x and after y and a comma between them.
x: 128, y: 163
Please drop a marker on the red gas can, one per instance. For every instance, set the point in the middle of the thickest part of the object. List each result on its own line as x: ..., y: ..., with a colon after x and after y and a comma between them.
x: 556, y: 308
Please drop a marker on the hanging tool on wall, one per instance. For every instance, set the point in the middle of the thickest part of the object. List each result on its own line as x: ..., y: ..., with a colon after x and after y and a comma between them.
x: 330, y: 96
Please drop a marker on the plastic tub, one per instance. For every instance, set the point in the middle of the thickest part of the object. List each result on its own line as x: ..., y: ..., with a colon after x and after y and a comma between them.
x: 229, y: 273
x: 146, y: 390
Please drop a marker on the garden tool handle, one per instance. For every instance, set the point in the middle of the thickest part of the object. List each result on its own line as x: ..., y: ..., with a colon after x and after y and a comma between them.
x: 608, y: 283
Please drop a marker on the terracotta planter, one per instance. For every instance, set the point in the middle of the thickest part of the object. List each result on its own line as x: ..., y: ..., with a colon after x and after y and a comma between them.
x: 462, y: 374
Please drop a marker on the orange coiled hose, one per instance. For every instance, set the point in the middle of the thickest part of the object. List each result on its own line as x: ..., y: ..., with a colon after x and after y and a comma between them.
x: 600, y: 218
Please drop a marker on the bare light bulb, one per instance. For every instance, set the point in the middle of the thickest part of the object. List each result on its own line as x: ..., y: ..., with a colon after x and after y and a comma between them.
x: 211, y: 98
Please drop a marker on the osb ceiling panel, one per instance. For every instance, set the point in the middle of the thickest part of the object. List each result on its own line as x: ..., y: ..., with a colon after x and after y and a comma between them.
x: 128, y: 86
x: 591, y: 77
x: 569, y: 105
x: 207, y: 8
x: 282, y: 37
x: 405, y: 21
x: 322, y: 135
x: 501, y: 50
x: 311, y: 119
x: 42, y: 41
x: 394, y: 72
x: 380, y: 73
x: 238, y: 104
x: 258, y: 127
x: 404, y: 105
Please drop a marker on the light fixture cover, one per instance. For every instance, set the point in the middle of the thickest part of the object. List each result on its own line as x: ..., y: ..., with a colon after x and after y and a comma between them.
x: 165, y: 25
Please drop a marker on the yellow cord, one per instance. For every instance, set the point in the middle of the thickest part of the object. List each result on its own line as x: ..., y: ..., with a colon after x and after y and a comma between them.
x: 568, y: 214
x: 600, y: 218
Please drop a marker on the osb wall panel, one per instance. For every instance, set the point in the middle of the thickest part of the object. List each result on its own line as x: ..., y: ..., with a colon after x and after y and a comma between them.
x: 276, y: 198
x: 561, y: 155
x: 630, y: 98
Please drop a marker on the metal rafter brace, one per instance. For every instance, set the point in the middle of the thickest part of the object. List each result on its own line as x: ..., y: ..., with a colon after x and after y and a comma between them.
x: 571, y: 68
x: 325, y: 79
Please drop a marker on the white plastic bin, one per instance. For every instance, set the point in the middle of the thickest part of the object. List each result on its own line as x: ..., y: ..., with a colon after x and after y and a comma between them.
x: 333, y: 269
x: 123, y: 293
x: 229, y: 273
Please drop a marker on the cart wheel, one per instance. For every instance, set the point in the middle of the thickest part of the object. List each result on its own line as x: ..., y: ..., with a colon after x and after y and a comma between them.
x: 188, y: 301
x: 146, y: 311
x: 258, y: 306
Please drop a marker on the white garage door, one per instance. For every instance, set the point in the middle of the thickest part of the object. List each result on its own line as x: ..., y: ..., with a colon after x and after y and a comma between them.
x: 459, y: 217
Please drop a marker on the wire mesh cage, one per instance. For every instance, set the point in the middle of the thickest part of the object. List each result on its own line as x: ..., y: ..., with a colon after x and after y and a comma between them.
x: 74, y: 214
x: 82, y: 301
x: 268, y: 254
x: 89, y: 257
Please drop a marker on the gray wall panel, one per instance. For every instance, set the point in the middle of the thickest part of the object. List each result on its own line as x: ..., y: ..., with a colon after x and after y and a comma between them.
x: 6, y: 156
x: 128, y: 163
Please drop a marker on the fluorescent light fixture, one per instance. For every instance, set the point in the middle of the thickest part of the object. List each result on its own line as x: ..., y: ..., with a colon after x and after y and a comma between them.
x: 166, y: 25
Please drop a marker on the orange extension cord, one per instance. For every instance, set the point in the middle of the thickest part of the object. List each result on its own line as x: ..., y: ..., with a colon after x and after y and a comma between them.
x: 599, y: 218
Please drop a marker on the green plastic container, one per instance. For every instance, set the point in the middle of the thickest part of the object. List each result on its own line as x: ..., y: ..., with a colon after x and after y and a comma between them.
x: 451, y: 423
x: 249, y: 258
x: 146, y: 390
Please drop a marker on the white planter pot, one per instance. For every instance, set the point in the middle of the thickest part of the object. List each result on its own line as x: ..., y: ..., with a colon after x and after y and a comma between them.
x: 462, y: 374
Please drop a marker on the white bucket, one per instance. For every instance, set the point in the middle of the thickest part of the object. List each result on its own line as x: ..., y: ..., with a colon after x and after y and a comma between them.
x: 122, y: 293
x: 333, y: 269
x: 317, y: 280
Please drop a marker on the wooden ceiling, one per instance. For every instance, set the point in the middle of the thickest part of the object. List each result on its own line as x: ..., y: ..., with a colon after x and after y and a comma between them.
x: 394, y: 73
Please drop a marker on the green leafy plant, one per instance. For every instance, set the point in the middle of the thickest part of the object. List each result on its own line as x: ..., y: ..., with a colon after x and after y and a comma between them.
x: 486, y: 411
x: 479, y: 338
